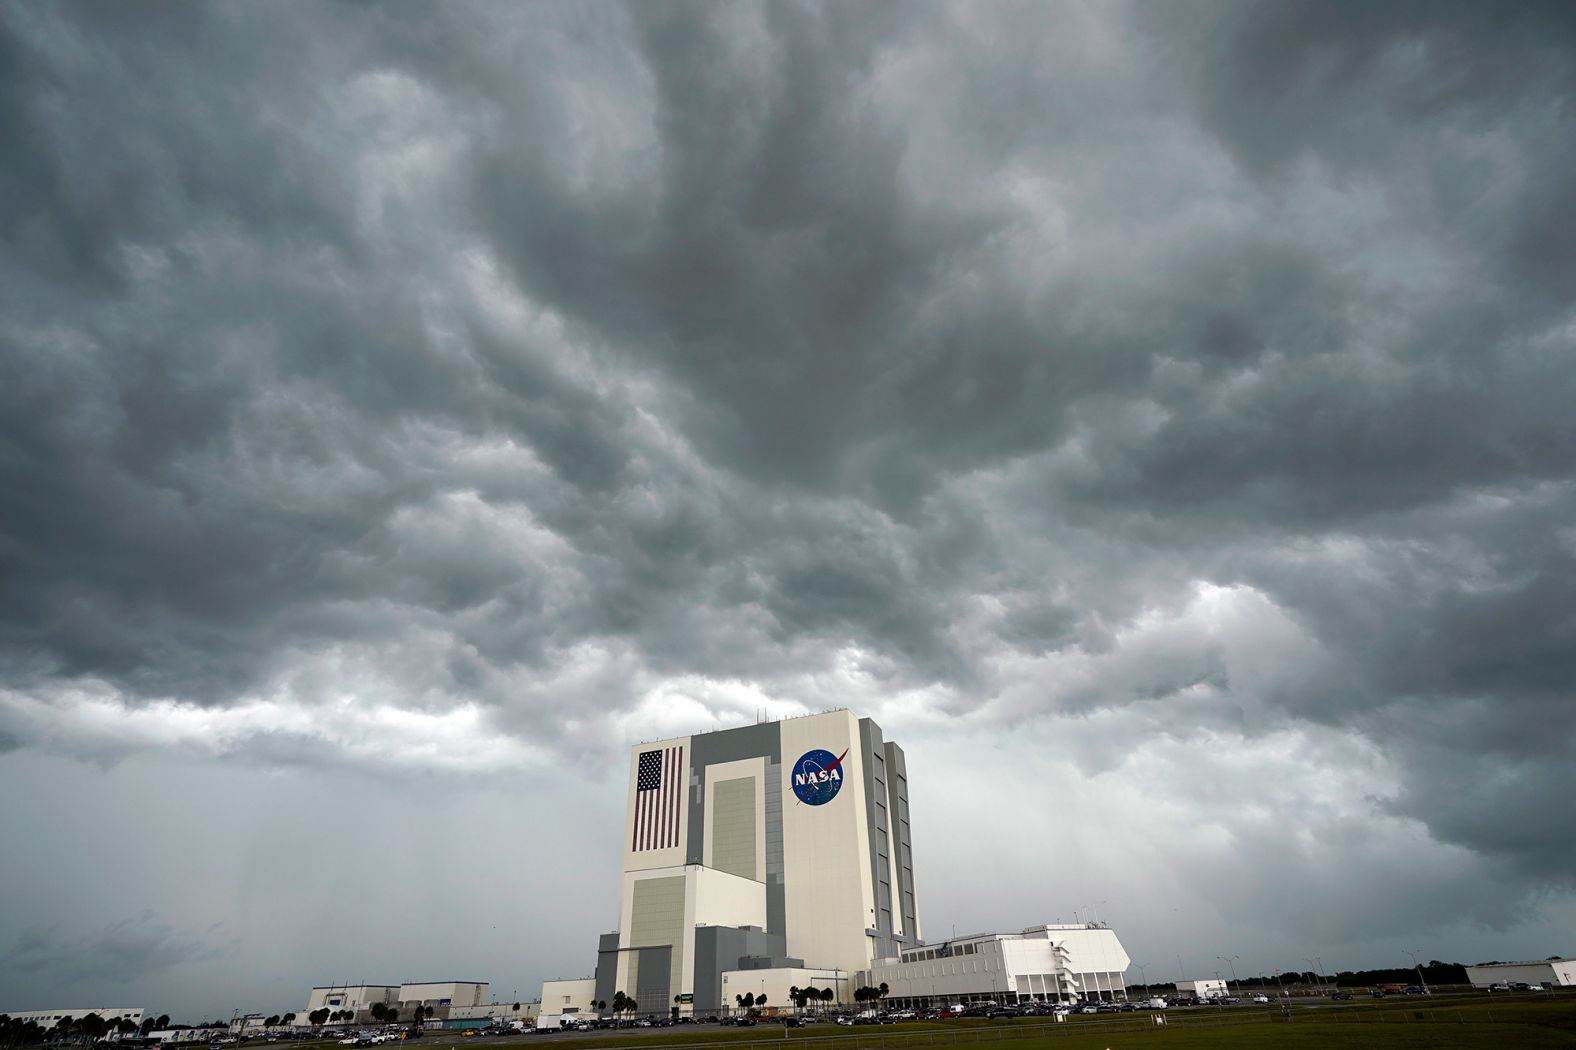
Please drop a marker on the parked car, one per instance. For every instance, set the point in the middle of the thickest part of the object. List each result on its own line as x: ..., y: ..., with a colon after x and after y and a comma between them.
x: 1340, y: 995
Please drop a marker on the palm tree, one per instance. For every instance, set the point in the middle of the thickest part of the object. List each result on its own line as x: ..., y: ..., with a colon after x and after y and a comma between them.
x: 379, y: 1011
x: 92, y: 1026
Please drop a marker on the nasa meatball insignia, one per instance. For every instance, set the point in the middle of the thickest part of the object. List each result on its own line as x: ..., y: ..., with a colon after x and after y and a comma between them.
x: 817, y: 777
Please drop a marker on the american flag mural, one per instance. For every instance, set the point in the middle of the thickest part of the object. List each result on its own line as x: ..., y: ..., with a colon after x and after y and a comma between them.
x: 658, y: 794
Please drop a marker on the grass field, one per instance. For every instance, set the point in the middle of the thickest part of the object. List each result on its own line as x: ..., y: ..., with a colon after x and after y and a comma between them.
x: 1543, y: 1022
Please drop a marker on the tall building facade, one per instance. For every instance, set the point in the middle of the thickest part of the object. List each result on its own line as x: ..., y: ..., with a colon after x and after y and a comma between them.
x: 789, y: 838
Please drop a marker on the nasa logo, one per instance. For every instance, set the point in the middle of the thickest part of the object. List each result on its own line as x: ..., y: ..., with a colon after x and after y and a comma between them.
x: 817, y: 777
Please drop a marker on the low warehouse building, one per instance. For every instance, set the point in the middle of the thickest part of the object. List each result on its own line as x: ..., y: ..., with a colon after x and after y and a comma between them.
x: 50, y: 1018
x: 1556, y: 973
x: 354, y: 997
x: 1205, y: 989
x: 575, y: 996
x: 1051, y: 963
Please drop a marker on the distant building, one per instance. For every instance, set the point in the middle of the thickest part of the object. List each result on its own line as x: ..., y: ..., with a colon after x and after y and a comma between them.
x: 496, y: 1012
x: 1556, y: 973
x: 441, y: 996
x: 350, y: 997
x: 1201, y: 989
x: 173, y: 1036
x: 50, y: 1018
x: 775, y: 982
x: 1051, y: 963
x: 574, y: 996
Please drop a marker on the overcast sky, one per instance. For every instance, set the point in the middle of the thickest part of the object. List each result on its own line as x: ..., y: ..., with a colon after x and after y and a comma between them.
x: 1159, y: 417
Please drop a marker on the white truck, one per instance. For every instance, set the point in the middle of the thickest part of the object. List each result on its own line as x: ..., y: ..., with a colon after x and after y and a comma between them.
x: 556, y: 1022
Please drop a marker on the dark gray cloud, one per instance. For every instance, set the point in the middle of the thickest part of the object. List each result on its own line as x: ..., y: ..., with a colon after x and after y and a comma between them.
x: 480, y: 388
x: 135, y: 947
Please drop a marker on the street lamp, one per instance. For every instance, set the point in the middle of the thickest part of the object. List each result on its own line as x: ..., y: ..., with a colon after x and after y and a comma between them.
x: 1231, y: 961
x: 1421, y: 979
x: 1144, y: 976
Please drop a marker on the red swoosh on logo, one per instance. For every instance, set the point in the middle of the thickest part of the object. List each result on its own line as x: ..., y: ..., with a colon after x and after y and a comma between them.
x: 828, y: 769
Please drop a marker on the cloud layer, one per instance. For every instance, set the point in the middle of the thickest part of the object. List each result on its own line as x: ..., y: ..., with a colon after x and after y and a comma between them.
x: 483, y: 388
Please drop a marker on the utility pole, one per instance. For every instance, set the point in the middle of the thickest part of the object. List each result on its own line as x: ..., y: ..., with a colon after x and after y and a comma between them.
x: 1420, y: 978
x: 1231, y: 961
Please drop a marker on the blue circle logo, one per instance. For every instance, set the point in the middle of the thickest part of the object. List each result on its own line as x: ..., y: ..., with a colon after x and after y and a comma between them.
x: 817, y: 777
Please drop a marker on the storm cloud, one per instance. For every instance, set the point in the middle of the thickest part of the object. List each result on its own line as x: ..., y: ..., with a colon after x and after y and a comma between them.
x: 1175, y: 399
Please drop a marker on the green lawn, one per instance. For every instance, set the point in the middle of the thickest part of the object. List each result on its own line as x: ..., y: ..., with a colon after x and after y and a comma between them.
x: 1526, y: 1022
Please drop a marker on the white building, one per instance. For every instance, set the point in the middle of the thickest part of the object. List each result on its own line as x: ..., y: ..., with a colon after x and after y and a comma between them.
x: 1204, y: 989
x: 50, y: 1018
x: 775, y: 982
x: 501, y: 1013
x: 1556, y: 973
x: 442, y: 993
x: 1042, y: 963
x: 186, y: 1035
x: 355, y: 997
x: 442, y: 996
x: 573, y: 996
x: 781, y: 845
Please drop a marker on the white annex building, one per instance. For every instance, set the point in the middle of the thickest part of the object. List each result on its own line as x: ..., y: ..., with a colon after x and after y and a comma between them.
x: 778, y: 855
x: 1042, y: 964
x: 1556, y: 973
x: 442, y: 996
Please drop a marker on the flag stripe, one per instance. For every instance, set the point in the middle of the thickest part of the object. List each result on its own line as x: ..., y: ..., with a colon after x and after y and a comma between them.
x: 659, y: 799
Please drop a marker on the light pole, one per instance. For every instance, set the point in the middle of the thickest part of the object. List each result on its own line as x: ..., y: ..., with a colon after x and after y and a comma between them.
x: 1143, y: 976
x: 1421, y: 979
x: 1231, y: 961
